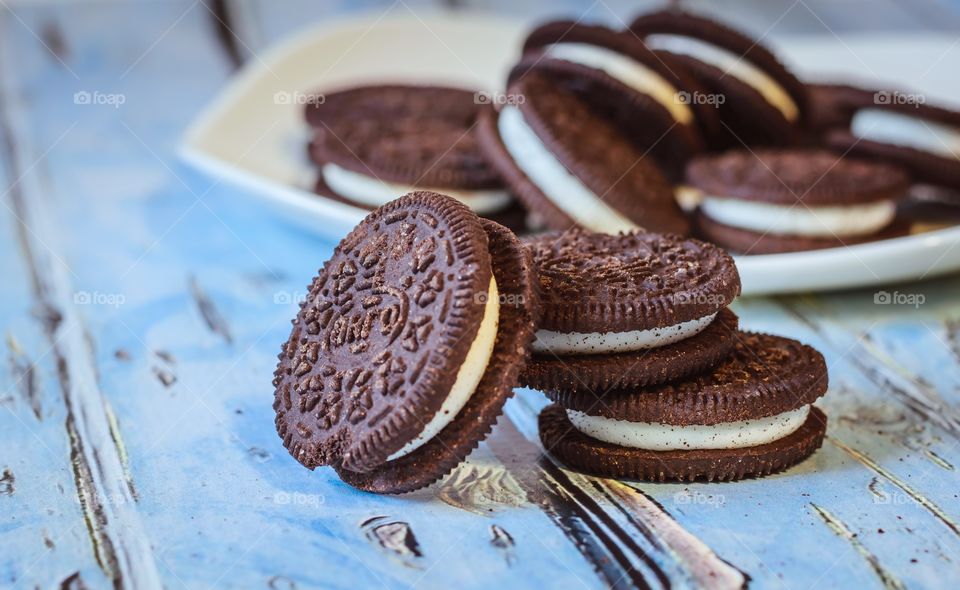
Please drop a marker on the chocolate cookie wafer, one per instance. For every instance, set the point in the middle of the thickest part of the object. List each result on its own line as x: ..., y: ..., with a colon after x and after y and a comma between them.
x: 628, y: 310
x: 785, y: 200
x: 828, y: 108
x: 623, y: 81
x: 407, y: 345
x: 375, y: 143
x: 902, y: 128
x: 758, y: 100
x: 571, y: 167
x: 751, y: 416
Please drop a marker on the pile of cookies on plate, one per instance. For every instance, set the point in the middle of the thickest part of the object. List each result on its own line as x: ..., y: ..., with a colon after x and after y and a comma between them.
x: 676, y: 124
x: 428, y: 314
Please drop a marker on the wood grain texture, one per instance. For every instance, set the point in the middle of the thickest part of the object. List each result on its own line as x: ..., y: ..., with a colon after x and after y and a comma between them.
x: 143, y: 306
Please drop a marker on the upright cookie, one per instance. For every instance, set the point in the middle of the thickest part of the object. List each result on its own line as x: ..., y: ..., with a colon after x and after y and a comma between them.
x: 408, y: 344
x: 759, y: 202
x: 759, y: 101
x: 903, y: 129
x: 573, y: 168
x: 751, y: 416
x: 628, y: 310
x: 375, y: 143
x: 622, y: 80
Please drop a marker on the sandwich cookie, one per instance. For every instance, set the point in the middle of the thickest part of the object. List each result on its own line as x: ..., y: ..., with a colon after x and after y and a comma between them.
x: 759, y: 101
x: 628, y: 310
x: 788, y: 200
x: 375, y: 143
x: 571, y: 167
x: 409, y: 342
x: 622, y: 80
x: 828, y: 108
x: 903, y: 129
x: 751, y: 416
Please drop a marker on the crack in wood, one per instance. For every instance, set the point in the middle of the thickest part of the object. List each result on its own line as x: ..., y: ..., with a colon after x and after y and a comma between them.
x: 52, y: 37
x: 889, y: 581
x: 24, y: 374
x: 7, y: 483
x: 874, y: 487
x: 281, y: 583
x: 952, y: 327
x: 703, y: 566
x: 611, y: 552
x: 919, y: 498
x: 224, y: 25
x: 395, y: 538
x: 503, y: 542
x: 938, y: 460
x: 92, y: 508
x: 211, y: 315
x: 500, y: 538
x: 166, y: 357
x: 121, y: 449
x: 164, y: 376
x: 73, y: 582
x: 916, y: 393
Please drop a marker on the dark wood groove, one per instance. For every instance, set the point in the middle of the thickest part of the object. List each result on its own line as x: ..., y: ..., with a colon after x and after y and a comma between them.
x: 208, y: 310
x: 609, y: 550
x: 224, y: 25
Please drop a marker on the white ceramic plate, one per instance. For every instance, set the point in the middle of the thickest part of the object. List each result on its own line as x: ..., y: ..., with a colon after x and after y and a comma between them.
x: 253, y: 134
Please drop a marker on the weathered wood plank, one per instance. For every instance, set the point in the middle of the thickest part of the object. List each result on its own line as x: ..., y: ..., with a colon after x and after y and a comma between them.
x: 201, y: 290
x: 119, y: 545
x: 193, y: 406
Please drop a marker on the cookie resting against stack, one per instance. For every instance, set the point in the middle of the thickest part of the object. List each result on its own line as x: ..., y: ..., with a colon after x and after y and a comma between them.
x: 408, y: 344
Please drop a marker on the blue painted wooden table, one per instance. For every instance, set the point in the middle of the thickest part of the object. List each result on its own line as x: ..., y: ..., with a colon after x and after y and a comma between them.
x: 143, y: 304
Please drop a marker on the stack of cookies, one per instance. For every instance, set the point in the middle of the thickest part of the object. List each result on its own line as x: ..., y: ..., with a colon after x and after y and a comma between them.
x: 651, y: 377
x: 374, y: 143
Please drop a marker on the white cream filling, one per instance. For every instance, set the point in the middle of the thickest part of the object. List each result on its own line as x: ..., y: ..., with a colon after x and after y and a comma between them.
x: 628, y: 71
x: 904, y: 130
x: 654, y: 436
x: 798, y: 220
x: 373, y: 192
x: 610, y: 342
x: 468, y: 376
x: 688, y: 197
x: 731, y: 64
x: 562, y: 188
